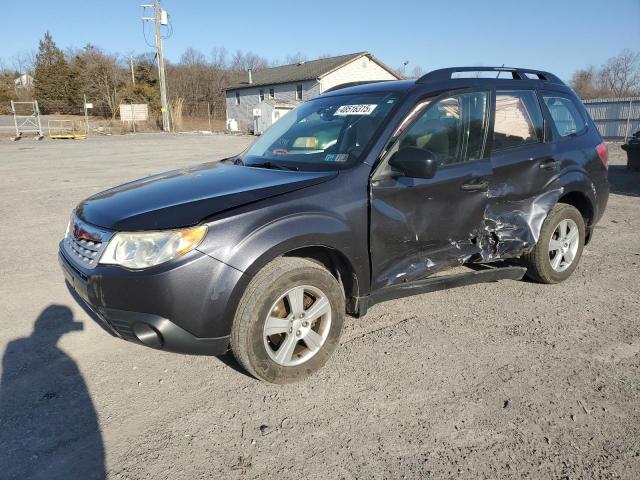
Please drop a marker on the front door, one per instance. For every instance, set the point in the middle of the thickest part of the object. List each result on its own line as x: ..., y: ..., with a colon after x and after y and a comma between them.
x: 422, y: 226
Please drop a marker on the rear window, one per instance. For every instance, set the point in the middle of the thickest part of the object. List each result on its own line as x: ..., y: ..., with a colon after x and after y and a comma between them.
x: 565, y: 115
x: 518, y: 120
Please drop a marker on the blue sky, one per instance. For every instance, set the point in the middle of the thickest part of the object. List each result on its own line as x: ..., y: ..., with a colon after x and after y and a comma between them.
x: 559, y: 35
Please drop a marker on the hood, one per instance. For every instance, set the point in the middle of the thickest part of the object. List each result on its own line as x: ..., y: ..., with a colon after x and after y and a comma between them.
x: 185, y: 197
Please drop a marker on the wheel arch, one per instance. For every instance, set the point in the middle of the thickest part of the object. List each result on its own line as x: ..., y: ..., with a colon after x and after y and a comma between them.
x: 338, y: 265
x: 579, y: 192
x: 327, y: 255
x: 584, y: 205
x: 327, y: 238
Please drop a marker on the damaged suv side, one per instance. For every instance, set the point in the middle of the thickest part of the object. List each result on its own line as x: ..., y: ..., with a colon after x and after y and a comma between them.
x: 356, y: 197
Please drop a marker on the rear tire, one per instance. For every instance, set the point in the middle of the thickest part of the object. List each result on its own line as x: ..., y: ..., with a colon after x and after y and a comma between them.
x: 559, y: 247
x: 288, y: 321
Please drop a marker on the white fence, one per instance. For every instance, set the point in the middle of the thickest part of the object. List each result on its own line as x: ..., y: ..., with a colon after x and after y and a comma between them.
x: 616, y: 118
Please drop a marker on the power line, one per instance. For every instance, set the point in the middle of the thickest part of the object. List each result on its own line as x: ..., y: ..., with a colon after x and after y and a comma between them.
x: 170, y: 34
x: 144, y: 34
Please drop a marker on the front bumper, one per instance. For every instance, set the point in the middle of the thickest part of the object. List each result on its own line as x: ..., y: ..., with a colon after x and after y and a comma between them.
x: 183, y: 306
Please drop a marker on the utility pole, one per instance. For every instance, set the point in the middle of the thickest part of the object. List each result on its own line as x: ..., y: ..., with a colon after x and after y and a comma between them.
x: 159, y: 19
x: 86, y: 114
x: 133, y: 77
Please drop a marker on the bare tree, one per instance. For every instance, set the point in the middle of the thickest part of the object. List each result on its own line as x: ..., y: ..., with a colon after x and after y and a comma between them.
x: 190, y: 78
x: 193, y: 57
x: 618, y: 77
x: 621, y: 74
x: 24, y: 61
x: 255, y: 61
x: 244, y: 61
x: 584, y: 83
x: 219, y: 58
x: 101, y: 76
x: 295, y: 58
x: 196, y: 81
x: 417, y: 72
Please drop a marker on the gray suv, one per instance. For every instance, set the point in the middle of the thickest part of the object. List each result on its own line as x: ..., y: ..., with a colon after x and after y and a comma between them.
x: 355, y: 197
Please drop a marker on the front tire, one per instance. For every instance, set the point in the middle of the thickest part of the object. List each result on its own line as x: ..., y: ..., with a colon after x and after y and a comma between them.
x: 559, y: 247
x: 288, y: 321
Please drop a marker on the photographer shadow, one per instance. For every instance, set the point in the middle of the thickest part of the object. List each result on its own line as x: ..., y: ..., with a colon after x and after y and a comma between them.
x: 48, y: 424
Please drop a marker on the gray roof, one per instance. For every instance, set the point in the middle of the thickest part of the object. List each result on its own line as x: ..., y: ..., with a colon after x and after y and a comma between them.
x: 298, y: 72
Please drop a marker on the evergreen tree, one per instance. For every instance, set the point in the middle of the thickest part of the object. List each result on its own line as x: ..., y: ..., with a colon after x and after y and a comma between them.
x: 6, y: 92
x: 55, y: 85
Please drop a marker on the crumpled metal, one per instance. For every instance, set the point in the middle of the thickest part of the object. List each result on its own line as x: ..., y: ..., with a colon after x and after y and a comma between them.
x: 515, y: 225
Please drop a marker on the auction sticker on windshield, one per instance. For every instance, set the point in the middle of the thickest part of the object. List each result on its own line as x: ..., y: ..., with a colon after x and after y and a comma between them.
x: 337, y: 157
x: 364, y: 109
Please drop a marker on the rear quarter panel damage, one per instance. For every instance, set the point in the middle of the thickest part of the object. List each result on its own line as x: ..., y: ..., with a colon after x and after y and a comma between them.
x: 511, y: 227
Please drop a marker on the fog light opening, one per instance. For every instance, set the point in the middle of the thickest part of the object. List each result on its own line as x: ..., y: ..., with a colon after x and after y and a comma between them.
x: 148, y: 335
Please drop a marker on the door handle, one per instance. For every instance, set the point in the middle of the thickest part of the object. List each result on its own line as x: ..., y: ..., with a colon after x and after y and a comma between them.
x: 549, y: 164
x: 481, y: 185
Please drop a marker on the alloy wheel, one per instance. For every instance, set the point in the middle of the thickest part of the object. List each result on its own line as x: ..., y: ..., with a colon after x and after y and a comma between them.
x: 297, y: 325
x: 563, y: 245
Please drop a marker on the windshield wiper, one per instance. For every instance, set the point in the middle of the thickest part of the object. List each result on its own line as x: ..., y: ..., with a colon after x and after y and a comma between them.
x: 271, y: 165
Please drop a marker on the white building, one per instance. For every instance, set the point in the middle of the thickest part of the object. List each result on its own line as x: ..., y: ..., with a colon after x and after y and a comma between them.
x: 298, y: 82
x: 24, y: 80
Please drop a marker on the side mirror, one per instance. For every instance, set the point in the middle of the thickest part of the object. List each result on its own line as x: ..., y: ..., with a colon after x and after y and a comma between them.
x: 414, y: 162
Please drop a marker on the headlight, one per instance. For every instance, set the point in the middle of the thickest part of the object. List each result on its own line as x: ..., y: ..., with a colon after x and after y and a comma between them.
x: 138, y: 250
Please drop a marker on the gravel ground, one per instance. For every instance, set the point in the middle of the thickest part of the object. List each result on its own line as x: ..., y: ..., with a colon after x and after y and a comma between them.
x: 501, y: 380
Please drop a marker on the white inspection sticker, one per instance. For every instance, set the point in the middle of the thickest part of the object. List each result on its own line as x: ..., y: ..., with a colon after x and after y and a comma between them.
x: 364, y: 109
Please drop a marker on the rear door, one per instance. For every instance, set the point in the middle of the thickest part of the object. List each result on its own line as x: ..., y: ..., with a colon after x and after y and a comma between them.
x: 525, y: 171
x: 421, y: 226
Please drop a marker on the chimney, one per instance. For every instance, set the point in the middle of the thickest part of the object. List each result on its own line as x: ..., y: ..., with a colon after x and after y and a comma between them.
x: 250, y: 77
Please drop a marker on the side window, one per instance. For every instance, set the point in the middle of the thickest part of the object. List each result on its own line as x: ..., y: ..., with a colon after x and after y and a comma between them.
x: 518, y: 120
x: 453, y: 130
x: 564, y: 114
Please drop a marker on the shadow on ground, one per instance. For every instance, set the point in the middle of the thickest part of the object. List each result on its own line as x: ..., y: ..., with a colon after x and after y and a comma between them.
x: 230, y: 361
x: 48, y: 424
x: 623, y: 181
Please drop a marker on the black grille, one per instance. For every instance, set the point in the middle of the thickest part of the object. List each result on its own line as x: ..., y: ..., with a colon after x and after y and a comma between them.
x: 87, y: 252
x: 85, y: 243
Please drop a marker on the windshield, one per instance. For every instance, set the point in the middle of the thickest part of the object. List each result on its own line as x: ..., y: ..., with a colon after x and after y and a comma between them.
x: 322, y: 134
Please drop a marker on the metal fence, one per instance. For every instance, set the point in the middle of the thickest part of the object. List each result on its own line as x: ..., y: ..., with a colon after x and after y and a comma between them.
x: 99, y: 118
x: 616, y: 118
x: 197, y: 116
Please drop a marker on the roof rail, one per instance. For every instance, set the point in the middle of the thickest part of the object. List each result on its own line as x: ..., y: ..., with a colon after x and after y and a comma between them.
x: 352, y: 84
x: 445, y: 74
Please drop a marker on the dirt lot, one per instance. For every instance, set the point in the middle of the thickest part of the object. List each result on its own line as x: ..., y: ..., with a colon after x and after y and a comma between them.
x: 503, y: 380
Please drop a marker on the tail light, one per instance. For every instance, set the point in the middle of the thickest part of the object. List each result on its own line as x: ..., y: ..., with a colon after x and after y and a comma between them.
x: 603, y: 153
